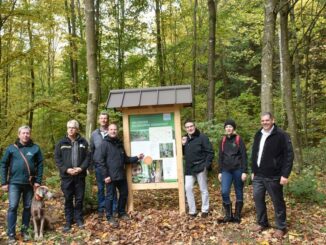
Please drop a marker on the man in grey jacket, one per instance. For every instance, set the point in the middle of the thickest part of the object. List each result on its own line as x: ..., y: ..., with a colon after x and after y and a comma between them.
x: 95, y: 144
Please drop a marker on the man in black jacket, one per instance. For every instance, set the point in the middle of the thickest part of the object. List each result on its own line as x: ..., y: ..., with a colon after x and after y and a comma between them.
x: 199, y: 154
x: 112, y: 162
x: 272, y: 160
x: 72, y: 159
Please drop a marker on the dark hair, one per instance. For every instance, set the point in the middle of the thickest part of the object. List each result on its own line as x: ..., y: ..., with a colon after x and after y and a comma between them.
x: 230, y: 122
x: 267, y: 113
x: 103, y: 113
x: 189, y: 121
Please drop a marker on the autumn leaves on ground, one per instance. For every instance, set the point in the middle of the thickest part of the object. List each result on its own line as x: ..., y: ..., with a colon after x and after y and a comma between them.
x: 157, y: 221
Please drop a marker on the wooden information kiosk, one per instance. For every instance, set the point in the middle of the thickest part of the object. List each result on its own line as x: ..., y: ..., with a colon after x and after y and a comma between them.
x: 152, y: 125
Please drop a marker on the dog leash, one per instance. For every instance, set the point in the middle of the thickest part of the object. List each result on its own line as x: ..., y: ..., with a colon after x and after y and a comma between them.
x: 27, y: 165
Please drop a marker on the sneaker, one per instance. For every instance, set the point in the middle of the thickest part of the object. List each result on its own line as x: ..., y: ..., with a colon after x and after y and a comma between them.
x: 113, y: 222
x: 80, y: 224
x: 204, y: 215
x: 67, y: 227
x: 26, y: 237
x: 124, y: 217
x: 11, y: 239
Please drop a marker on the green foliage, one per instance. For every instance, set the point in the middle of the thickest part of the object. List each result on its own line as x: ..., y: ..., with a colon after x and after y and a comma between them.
x: 315, y: 157
x: 90, y: 196
x: 305, y: 187
x: 52, y: 181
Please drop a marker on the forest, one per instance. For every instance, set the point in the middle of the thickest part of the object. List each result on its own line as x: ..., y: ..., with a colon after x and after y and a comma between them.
x: 59, y: 59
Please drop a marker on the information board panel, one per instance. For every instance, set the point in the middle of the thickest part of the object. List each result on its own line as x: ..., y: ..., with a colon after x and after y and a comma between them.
x: 154, y: 136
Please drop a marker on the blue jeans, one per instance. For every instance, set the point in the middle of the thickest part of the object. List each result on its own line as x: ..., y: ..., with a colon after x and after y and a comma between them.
x: 227, y: 178
x: 101, y: 191
x: 15, y: 192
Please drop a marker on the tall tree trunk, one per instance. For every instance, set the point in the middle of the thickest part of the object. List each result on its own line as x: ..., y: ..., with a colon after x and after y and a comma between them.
x: 194, y: 60
x: 74, y: 52
x: 211, y: 59
x: 71, y: 21
x: 159, y: 45
x: 93, y: 86
x: 296, y: 62
x: 82, y: 63
x: 120, y: 27
x: 267, y: 56
x: 285, y: 71
x: 98, y: 44
x: 226, y: 81
x: 32, y: 73
x: 4, y: 100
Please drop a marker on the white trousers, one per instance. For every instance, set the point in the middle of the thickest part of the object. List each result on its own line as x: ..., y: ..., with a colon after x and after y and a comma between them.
x: 189, y: 186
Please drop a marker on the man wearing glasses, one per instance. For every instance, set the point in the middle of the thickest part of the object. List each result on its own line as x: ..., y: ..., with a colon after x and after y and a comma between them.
x: 72, y: 158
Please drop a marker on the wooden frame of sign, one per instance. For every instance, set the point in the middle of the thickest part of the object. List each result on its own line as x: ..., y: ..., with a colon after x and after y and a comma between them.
x: 127, y: 144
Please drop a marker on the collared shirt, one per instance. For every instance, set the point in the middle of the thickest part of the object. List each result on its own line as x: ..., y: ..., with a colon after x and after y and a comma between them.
x: 104, y: 133
x: 262, y: 143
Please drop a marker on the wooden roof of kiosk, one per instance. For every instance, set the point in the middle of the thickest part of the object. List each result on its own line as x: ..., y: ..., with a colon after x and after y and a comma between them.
x: 142, y: 101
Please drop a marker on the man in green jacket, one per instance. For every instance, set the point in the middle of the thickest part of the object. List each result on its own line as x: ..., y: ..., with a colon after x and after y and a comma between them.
x: 21, y: 171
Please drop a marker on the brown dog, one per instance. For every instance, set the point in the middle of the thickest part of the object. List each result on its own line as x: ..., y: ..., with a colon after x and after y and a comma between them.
x: 40, y: 220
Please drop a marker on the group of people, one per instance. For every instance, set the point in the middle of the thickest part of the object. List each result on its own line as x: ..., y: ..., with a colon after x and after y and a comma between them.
x: 272, y: 161
x: 272, y: 157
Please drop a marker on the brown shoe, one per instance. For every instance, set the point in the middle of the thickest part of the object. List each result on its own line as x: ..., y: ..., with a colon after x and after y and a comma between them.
x: 279, y: 234
x: 258, y: 228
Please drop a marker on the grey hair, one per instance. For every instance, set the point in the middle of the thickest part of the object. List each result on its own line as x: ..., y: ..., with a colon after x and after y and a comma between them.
x: 24, y: 127
x: 74, y: 123
x: 267, y: 113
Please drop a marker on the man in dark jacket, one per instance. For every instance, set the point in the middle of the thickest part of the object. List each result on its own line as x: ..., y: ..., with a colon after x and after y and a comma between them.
x: 72, y: 159
x: 272, y: 160
x: 21, y: 161
x: 113, y: 159
x: 199, y: 154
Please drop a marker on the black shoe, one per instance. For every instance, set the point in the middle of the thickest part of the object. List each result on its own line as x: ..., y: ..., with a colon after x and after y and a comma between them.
x: 204, y: 215
x: 124, y: 217
x: 80, y: 224
x: 228, y: 213
x: 26, y: 236
x: 113, y: 222
x: 237, y: 214
x: 192, y: 216
x: 67, y: 227
x: 11, y: 239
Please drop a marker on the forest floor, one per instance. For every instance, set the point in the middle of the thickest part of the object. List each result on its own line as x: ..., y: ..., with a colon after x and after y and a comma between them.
x: 157, y: 221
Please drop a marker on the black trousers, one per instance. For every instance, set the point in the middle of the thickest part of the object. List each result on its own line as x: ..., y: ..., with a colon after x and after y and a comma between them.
x: 122, y: 187
x: 275, y: 191
x: 73, y: 189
